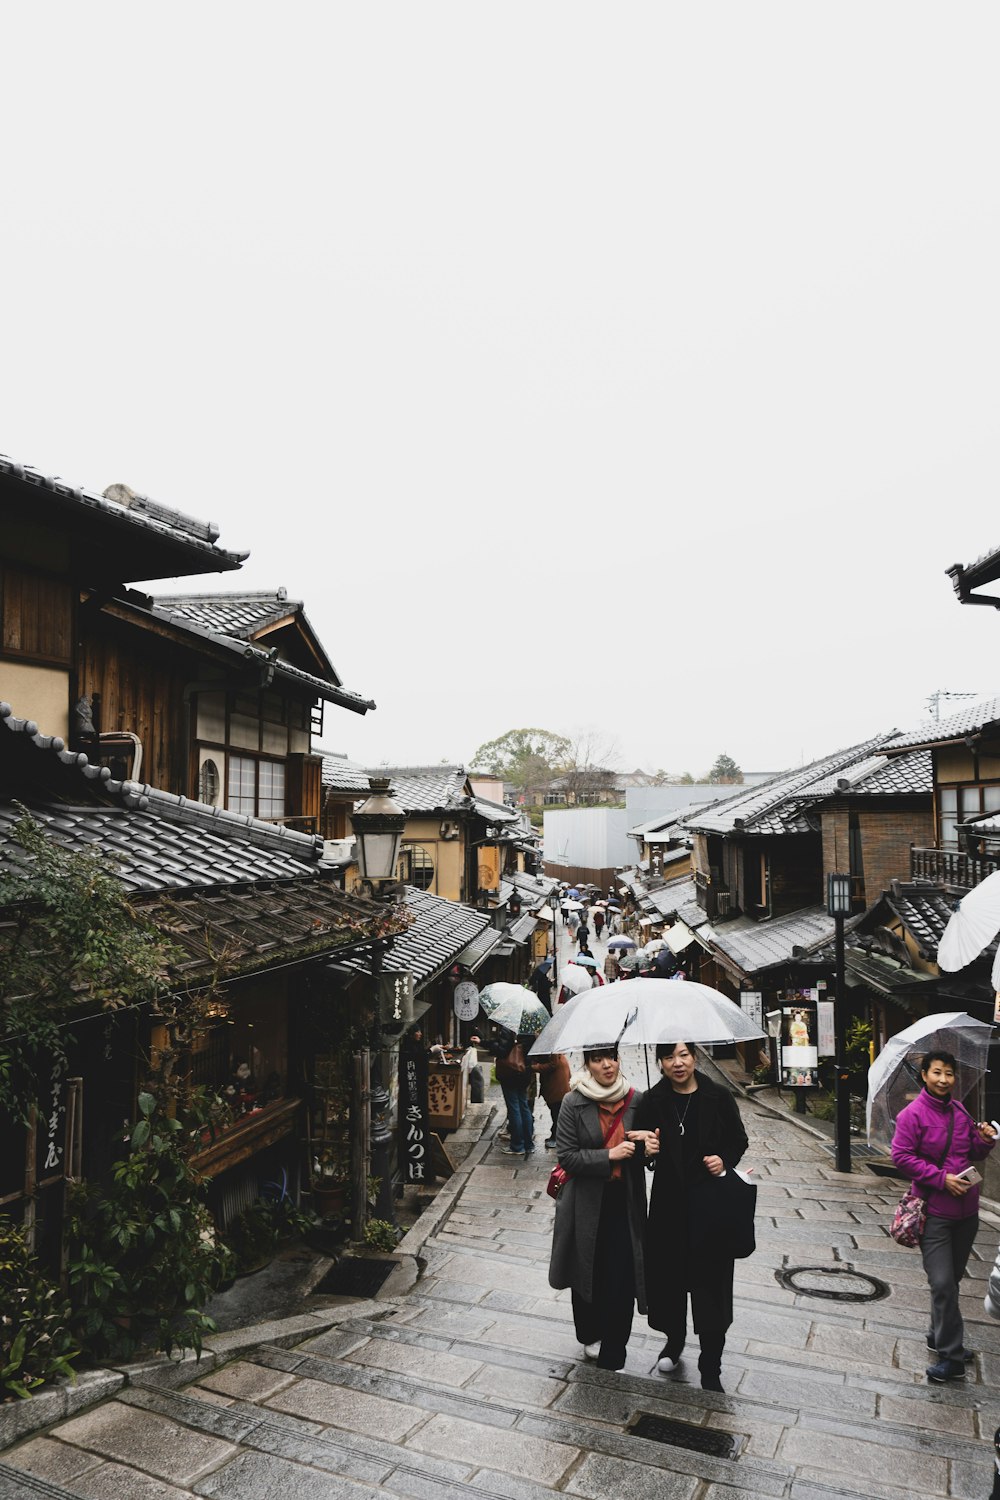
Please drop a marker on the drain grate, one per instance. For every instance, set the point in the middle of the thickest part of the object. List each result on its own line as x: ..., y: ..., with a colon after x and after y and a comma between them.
x: 684, y: 1435
x: 354, y: 1277
x: 835, y: 1283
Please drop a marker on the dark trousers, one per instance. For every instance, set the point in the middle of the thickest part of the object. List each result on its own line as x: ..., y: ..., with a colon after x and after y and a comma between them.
x: 554, y: 1112
x: 712, y: 1311
x: 945, y: 1249
x: 608, y: 1319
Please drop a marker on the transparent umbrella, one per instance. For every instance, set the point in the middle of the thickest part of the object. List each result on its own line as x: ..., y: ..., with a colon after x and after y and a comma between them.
x: 513, y: 1006
x: 576, y: 978
x: 894, y: 1076
x: 621, y: 942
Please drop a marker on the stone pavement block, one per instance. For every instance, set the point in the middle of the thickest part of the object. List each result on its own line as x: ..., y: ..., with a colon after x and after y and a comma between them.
x: 528, y: 1336
x: 213, y: 1398
x: 928, y: 1416
x: 146, y: 1440
x: 923, y: 1473
x: 409, y: 1481
x: 971, y: 1480
x: 339, y: 1406
x: 813, y: 1360
x: 852, y: 1343
x: 452, y: 1291
x: 245, y: 1382
x: 495, y: 1448
x: 516, y: 1386
x: 48, y: 1459
x: 410, y: 1359
x: 775, y: 1327
x: 600, y: 1476
x: 469, y: 1231
x: 260, y: 1476
x: 816, y: 1484
x: 451, y: 1321
x: 116, y: 1482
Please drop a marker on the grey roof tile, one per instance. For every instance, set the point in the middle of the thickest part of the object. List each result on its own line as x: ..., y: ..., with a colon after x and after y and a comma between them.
x: 236, y: 614
x: 967, y: 721
x: 343, y: 775
x: 426, y: 788
x: 760, y: 945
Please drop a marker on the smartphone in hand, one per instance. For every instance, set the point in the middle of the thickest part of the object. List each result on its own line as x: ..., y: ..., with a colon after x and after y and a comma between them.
x: 971, y: 1175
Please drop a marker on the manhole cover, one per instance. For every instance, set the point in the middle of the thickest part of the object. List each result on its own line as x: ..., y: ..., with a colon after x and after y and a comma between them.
x: 355, y: 1278
x: 683, y: 1435
x: 836, y: 1283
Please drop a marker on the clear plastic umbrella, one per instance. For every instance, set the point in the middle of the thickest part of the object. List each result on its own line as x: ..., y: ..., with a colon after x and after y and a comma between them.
x: 973, y: 925
x: 894, y: 1076
x: 576, y: 978
x: 513, y: 1006
x: 621, y: 942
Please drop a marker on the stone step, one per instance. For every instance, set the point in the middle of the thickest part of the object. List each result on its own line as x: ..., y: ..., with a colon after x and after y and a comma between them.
x: 16, y: 1484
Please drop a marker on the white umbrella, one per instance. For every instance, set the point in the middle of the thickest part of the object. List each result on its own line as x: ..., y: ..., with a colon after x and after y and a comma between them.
x: 575, y: 978
x: 653, y: 946
x: 571, y: 905
x: 973, y: 925
x: 642, y: 1012
x: 894, y: 1076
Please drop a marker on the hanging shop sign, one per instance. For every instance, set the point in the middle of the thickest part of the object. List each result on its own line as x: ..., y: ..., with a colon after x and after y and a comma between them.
x: 466, y: 1000
x: 799, y: 1051
x: 413, y: 1123
x: 395, y: 998
x: 752, y: 1003
x: 489, y: 868
x: 826, y: 1044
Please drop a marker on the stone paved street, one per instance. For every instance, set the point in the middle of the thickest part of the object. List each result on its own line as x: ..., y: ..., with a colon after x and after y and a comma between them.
x: 472, y: 1383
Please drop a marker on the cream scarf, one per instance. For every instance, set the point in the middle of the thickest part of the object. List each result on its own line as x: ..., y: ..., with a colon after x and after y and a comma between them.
x: 586, y: 1084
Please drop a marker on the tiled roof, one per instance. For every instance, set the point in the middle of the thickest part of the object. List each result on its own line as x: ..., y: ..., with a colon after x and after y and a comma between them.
x: 537, y: 888
x: 240, y: 615
x: 426, y: 788
x: 957, y: 726
x: 234, y: 894
x: 924, y: 911
x: 760, y: 945
x: 495, y: 812
x: 881, y: 776
x: 243, y: 931
x: 774, y: 807
x: 343, y: 775
x: 669, y: 898
x: 141, y: 516
x: 882, y: 973
x: 321, y: 687
x: 439, y: 932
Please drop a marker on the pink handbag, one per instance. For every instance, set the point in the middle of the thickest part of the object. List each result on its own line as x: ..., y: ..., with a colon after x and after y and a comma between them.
x: 908, y: 1221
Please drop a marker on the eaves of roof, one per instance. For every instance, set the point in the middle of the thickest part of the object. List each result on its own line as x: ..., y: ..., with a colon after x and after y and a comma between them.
x: 968, y: 724
x: 229, y: 648
x: 162, y: 542
x: 753, y: 946
x: 247, y: 617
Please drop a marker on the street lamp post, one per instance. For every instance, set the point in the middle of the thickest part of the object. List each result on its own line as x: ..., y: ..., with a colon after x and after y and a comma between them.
x: 378, y: 828
x: 838, y: 904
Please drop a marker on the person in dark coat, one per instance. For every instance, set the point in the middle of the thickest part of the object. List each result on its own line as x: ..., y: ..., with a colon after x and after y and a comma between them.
x: 541, y: 983
x: 701, y: 1136
x: 597, y: 1239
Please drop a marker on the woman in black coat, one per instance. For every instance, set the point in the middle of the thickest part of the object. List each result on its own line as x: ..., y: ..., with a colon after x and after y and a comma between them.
x: 701, y: 1136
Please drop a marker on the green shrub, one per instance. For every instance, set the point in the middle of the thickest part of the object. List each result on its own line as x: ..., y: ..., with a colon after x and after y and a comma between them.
x: 381, y: 1235
x: 144, y: 1256
x: 255, y: 1234
x: 36, y: 1345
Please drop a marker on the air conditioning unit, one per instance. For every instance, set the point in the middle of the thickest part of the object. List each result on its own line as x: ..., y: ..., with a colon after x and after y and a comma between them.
x: 449, y: 829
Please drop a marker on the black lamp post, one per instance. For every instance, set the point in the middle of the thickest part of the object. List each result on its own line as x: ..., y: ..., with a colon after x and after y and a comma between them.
x: 378, y: 828
x: 838, y: 904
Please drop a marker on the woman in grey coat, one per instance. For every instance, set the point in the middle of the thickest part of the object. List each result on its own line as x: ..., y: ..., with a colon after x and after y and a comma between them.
x: 601, y: 1212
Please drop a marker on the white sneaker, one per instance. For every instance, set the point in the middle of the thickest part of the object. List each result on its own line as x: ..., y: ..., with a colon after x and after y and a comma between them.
x: 667, y: 1366
x: 591, y: 1351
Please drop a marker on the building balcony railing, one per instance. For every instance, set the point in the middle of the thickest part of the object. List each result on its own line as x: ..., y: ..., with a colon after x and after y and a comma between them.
x: 951, y: 866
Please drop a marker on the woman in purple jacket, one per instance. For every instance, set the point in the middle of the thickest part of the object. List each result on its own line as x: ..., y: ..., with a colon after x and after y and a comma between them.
x: 936, y: 1140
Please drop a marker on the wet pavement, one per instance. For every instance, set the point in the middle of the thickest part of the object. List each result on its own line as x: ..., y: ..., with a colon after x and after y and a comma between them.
x: 463, y: 1379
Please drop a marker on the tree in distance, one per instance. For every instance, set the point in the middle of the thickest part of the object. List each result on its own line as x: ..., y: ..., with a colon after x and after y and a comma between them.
x: 725, y: 772
x: 528, y: 758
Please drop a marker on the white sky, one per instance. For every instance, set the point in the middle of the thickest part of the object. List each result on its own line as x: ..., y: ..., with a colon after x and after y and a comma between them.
x: 629, y: 366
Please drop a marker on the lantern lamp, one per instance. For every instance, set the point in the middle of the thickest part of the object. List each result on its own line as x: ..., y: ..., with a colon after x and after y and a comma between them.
x: 378, y: 827
x: 838, y: 895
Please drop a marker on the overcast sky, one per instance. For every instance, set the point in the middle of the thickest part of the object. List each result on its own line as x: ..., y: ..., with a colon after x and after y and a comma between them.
x: 631, y: 367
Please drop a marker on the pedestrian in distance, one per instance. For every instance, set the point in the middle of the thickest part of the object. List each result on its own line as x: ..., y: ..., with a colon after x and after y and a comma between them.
x: 553, y: 1079
x: 598, y: 922
x: 612, y: 968
x: 574, y: 926
x: 583, y: 935
x: 935, y: 1143
x: 701, y: 1137
x: 541, y: 983
x: 513, y: 1076
x: 597, y: 1238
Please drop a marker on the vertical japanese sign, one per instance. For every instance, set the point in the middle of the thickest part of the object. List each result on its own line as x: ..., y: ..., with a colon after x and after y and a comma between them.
x: 489, y: 868
x: 752, y: 1002
x: 827, y: 1041
x: 396, y: 998
x: 52, y: 1126
x: 414, y: 1128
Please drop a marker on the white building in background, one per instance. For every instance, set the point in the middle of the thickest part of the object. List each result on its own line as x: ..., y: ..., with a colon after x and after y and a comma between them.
x: 596, y: 838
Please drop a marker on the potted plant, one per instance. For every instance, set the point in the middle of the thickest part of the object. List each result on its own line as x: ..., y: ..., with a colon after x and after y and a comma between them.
x: 331, y: 1180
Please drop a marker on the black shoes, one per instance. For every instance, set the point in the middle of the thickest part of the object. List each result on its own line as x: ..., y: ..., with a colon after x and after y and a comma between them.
x: 946, y: 1370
